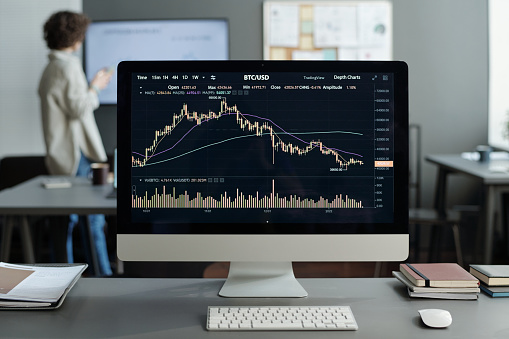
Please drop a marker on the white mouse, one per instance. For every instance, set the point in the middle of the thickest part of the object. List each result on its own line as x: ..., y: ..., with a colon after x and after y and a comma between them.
x: 436, y: 318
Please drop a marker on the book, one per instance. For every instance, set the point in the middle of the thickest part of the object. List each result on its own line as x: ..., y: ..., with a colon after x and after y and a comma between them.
x: 417, y: 289
x: 438, y: 275
x: 455, y: 296
x: 456, y: 293
x: 39, y: 286
x: 496, y: 291
x: 491, y: 275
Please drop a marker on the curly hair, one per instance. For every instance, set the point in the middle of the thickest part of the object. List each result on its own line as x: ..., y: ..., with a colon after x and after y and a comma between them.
x: 63, y: 29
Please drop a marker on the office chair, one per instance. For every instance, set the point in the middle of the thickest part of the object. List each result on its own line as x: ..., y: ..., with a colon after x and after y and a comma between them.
x: 13, y: 171
x: 420, y: 216
x: 17, y: 169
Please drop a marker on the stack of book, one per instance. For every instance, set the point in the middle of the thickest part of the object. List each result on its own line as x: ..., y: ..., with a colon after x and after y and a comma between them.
x: 494, y: 279
x: 438, y: 280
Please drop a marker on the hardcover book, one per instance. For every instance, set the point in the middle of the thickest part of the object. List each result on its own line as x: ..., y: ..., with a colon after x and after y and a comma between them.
x: 496, y: 291
x: 438, y: 275
x: 491, y: 275
x: 425, y: 290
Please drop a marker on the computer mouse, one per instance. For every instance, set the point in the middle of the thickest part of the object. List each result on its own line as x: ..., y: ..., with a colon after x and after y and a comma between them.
x: 435, y: 317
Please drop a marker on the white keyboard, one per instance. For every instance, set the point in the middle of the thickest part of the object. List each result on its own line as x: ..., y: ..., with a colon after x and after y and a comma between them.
x: 280, y: 318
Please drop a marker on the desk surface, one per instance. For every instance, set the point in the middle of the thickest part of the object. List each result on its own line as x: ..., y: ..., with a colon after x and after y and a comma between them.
x: 82, y: 197
x: 455, y: 163
x: 176, y: 308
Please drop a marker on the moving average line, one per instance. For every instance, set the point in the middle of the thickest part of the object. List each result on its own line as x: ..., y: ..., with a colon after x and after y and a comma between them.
x: 230, y: 139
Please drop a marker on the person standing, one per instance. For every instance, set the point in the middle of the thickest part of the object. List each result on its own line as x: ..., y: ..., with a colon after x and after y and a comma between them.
x: 70, y: 131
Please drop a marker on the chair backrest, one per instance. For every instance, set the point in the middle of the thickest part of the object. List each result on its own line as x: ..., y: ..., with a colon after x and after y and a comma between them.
x: 16, y: 169
x: 414, y: 175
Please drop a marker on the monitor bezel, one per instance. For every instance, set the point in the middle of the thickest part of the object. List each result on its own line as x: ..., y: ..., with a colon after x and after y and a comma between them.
x: 398, y: 68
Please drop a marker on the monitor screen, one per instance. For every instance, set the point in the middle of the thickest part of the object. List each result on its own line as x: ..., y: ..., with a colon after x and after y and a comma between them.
x: 241, y: 151
x: 109, y: 42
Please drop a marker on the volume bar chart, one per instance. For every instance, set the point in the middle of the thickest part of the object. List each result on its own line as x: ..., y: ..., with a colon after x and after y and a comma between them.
x: 274, y: 200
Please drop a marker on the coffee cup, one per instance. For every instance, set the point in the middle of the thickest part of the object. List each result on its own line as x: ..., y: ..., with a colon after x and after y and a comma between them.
x: 100, y: 173
x: 484, y: 152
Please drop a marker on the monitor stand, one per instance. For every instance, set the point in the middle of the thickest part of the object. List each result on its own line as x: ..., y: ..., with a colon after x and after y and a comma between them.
x: 262, y: 280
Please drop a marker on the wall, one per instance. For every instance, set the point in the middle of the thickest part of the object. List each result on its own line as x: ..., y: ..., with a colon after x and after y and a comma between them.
x: 446, y: 46
x: 23, y: 58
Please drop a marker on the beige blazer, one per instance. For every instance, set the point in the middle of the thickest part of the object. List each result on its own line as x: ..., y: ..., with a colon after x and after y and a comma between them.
x: 68, y: 122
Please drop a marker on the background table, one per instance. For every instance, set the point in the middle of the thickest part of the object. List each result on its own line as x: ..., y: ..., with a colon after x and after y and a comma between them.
x: 494, y: 184
x: 31, y: 198
x: 176, y: 308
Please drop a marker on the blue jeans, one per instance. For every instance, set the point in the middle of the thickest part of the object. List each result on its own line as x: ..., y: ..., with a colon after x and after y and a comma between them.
x: 96, y: 223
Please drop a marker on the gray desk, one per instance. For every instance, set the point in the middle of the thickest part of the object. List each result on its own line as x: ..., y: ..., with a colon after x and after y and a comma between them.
x: 31, y: 198
x: 494, y: 183
x: 176, y: 308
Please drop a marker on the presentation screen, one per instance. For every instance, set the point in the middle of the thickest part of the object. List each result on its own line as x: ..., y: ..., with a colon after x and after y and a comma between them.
x: 109, y: 42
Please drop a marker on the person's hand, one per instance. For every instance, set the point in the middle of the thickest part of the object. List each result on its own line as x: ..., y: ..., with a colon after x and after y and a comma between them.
x: 101, y: 79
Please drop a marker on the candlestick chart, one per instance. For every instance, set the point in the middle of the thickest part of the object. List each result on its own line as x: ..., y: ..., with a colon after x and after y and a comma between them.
x: 247, y: 123
x: 236, y: 156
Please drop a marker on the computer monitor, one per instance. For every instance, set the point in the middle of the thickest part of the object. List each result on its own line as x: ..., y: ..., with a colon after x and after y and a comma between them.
x: 109, y: 42
x: 262, y: 163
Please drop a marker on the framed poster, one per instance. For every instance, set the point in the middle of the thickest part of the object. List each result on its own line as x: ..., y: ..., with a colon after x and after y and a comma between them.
x: 327, y: 30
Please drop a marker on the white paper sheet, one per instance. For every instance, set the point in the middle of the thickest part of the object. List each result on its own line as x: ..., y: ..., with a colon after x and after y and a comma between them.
x: 284, y: 25
x: 307, y: 55
x: 335, y: 26
x: 374, y: 25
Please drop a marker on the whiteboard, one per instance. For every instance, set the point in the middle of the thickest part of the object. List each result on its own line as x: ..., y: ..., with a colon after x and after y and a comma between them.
x: 332, y: 30
x: 109, y: 42
x: 498, y: 97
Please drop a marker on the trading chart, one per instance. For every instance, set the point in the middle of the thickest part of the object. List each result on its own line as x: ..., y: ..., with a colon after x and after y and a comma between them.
x: 262, y: 147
